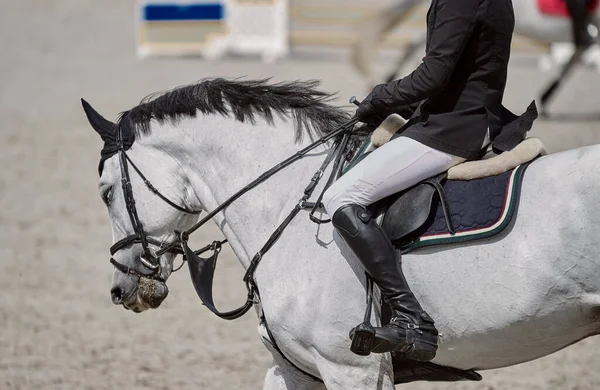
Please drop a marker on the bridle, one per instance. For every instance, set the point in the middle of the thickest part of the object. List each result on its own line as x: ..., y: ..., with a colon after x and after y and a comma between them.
x: 148, y: 259
x: 202, y: 269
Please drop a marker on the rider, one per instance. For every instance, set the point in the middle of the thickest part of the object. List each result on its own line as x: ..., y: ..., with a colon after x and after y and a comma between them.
x: 460, y: 85
x: 578, y: 10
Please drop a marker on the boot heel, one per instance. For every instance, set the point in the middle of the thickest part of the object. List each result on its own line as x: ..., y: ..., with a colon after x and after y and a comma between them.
x: 363, y: 338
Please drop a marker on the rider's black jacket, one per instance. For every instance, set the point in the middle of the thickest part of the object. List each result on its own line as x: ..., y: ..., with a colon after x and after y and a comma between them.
x: 460, y: 83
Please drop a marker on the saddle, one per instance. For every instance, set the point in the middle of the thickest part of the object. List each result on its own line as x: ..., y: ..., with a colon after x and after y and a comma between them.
x: 439, y: 211
x: 558, y: 8
x: 473, y: 200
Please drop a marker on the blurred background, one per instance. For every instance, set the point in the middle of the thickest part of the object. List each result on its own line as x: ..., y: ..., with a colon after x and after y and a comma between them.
x: 58, y: 327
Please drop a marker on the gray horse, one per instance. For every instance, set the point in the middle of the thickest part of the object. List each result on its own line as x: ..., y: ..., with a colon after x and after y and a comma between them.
x: 518, y: 296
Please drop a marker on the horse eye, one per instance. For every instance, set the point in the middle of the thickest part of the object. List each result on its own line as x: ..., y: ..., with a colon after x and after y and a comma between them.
x: 107, y: 196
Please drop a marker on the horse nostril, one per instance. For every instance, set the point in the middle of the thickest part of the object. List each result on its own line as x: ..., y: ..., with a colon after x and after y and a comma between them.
x: 116, y: 294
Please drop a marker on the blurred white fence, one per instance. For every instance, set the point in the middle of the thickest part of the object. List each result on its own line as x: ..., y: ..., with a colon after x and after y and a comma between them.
x: 268, y: 28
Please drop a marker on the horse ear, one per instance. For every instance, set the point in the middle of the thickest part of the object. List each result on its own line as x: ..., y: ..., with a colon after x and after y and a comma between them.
x: 103, y: 127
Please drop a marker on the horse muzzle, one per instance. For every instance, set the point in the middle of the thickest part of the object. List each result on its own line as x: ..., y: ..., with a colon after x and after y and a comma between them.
x: 138, y: 293
x: 152, y: 292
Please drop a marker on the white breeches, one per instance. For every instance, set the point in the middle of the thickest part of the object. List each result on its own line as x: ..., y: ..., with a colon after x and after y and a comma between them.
x: 393, y: 167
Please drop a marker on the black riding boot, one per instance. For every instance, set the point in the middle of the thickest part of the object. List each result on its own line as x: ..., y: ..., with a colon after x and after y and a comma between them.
x: 410, y: 330
x: 579, y: 18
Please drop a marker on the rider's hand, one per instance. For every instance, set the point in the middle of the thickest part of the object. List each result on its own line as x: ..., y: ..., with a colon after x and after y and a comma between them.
x: 373, y: 109
x: 366, y: 113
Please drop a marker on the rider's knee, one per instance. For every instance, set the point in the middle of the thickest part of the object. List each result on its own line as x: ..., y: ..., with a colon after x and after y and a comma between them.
x: 334, y: 198
x: 328, y: 196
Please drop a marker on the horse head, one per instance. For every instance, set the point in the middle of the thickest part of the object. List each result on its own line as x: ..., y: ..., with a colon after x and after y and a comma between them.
x: 149, y: 201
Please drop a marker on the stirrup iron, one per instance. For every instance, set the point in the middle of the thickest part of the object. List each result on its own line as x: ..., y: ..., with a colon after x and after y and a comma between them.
x: 363, y: 339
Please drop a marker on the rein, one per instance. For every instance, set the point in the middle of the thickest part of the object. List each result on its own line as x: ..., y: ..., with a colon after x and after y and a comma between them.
x: 202, y: 269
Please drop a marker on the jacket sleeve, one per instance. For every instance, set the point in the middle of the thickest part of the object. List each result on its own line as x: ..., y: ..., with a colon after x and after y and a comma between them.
x: 453, y: 25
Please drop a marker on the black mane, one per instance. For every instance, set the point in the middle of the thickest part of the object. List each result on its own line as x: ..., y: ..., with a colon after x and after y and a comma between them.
x: 308, y: 107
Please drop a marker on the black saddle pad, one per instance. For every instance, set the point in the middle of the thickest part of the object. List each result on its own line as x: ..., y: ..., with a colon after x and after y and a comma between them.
x: 478, y: 209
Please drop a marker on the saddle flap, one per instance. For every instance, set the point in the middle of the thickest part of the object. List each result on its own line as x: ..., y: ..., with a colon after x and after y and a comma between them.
x: 409, y: 211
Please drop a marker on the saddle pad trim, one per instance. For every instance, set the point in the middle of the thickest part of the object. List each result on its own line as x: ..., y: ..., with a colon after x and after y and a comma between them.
x: 511, y: 200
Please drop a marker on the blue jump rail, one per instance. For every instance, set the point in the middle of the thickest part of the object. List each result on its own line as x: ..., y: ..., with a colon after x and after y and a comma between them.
x: 183, y: 12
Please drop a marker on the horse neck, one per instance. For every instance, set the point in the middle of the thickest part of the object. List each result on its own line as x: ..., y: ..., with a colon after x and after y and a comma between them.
x: 221, y: 155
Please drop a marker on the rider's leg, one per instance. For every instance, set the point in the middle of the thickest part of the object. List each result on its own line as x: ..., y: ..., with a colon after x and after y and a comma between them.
x: 579, y: 21
x: 393, y: 167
